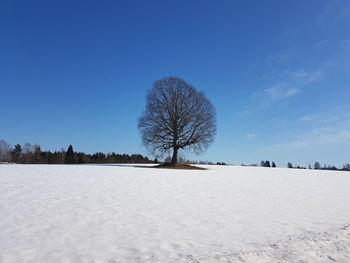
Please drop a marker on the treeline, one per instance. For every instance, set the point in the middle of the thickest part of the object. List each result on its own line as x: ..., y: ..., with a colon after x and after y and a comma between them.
x: 208, y: 163
x: 32, y: 154
x: 182, y: 159
x: 317, y: 166
x: 262, y: 164
x: 267, y: 164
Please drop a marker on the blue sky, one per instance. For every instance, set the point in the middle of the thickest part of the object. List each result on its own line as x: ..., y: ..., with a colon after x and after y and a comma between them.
x: 277, y: 72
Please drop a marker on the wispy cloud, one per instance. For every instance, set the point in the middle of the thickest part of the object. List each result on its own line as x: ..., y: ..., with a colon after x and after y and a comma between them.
x: 322, y: 136
x: 291, y: 83
x: 318, y: 136
x: 266, y: 97
x: 305, y: 118
x: 327, y: 128
x: 340, y: 59
x: 280, y: 91
x: 332, y: 117
x: 296, y: 66
x: 335, y: 11
x: 305, y: 77
x: 250, y: 136
x: 322, y: 43
x: 281, y: 57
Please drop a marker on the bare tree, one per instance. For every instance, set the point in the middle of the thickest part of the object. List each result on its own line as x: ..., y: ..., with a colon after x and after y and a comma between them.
x: 176, y: 116
x: 5, y: 150
x: 28, y: 152
x: 63, y: 154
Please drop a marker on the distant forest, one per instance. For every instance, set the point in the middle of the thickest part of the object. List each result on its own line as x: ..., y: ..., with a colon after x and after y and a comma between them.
x: 32, y: 154
x: 317, y: 166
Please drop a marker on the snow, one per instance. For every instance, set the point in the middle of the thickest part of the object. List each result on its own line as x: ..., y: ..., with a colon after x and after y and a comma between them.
x: 114, y: 213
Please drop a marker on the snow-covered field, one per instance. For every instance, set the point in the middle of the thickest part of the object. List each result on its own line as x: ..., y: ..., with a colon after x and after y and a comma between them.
x: 97, y: 213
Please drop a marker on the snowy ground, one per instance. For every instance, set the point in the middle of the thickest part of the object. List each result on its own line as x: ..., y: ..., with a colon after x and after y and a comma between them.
x: 57, y: 213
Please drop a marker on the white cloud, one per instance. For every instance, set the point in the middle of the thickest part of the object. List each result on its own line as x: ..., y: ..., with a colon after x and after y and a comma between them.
x: 319, y: 136
x: 305, y: 77
x: 328, y: 128
x: 305, y: 118
x: 331, y: 117
x: 250, y: 136
x: 291, y: 84
x: 280, y: 91
x: 325, y: 137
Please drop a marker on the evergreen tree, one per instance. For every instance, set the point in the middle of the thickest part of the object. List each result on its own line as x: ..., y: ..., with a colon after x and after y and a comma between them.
x: 317, y: 165
x: 273, y: 164
x: 267, y: 164
x: 262, y: 163
x: 16, y: 153
x: 81, y: 158
x: 290, y: 165
x: 33, y: 154
x: 70, y: 156
x: 37, y: 154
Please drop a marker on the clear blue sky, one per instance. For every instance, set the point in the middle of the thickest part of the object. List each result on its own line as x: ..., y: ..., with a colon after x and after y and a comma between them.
x: 278, y: 73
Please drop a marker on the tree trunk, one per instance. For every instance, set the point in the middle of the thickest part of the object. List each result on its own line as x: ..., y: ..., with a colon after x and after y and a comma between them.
x: 174, y: 159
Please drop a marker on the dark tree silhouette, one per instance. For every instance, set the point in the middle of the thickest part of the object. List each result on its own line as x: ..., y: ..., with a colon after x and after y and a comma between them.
x: 37, y: 154
x: 16, y: 153
x: 273, y: 164
x: 346, y: 167
x: 290, y: 165
x: 5, y: 151
x: 70, y: 156
x: 317, y: 165
x: 176, y: 116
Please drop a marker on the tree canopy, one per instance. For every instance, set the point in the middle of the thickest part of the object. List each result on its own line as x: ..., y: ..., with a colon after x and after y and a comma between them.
x: 176, y: 116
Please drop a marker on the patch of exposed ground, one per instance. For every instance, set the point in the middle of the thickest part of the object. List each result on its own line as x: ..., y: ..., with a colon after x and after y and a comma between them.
x: 180, y: 166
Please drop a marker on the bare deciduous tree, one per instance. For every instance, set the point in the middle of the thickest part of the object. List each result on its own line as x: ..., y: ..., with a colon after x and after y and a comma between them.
x: 176, y: 116
x: 5, y: 150
x: 28, y: 152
